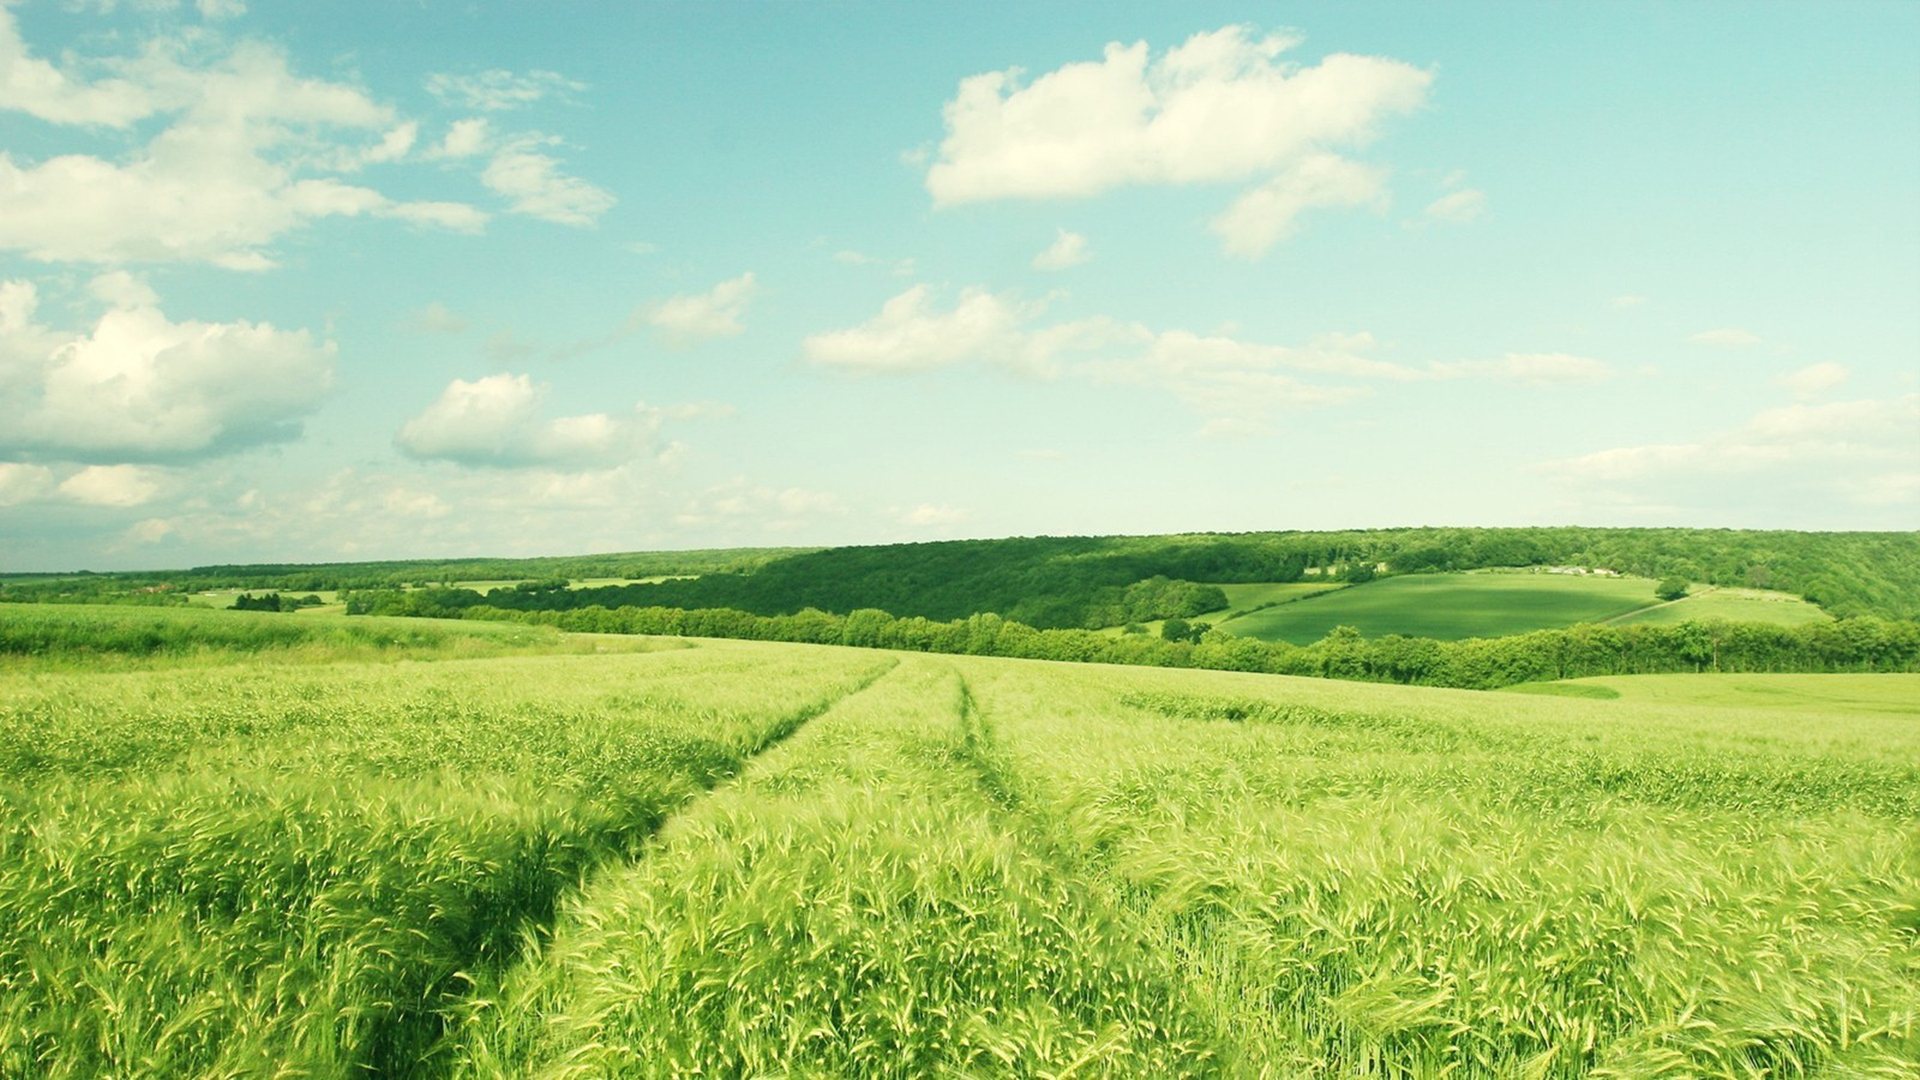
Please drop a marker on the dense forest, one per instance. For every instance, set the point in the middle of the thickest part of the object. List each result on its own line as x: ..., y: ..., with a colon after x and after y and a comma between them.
x: 1086, y: 582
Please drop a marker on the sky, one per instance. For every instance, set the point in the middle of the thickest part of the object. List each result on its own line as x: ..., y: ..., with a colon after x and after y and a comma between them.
x: 363, y: 280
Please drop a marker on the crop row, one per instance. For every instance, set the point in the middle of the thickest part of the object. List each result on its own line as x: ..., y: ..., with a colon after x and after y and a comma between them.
x: 301, y: 872
x: 1461, y: 892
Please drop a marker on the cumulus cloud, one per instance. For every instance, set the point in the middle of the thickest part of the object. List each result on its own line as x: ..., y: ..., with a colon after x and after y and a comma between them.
x: 497, y: 90
x: 231, y: 150
x: 535, y: 185
x: 712, y: 314
x: 1815, y: 379
x: 1221, y: 107
x: 112, y: 485
x: 496, y: 422
x: 465, y: 138
x: 138, y: 386
x: 245, y: 152
x: 1068, y: 249
x: 1726, y: 337
x: 21, y: 482
x: 1460, y: 206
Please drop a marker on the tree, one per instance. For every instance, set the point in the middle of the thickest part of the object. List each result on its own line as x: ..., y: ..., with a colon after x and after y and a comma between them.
x: 1671, y: 588
x: 1178, y: 629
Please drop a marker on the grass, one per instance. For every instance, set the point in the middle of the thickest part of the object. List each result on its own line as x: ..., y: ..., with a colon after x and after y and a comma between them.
x: 745, y: 859
x: 301, y: 871
x: 1801, y: 695
x: 861, y: 903
x: 1449, y: 607
x: 1733, y: 605
x: 1244, y: 599
x: 1372, y: 881
x: 81, y: 636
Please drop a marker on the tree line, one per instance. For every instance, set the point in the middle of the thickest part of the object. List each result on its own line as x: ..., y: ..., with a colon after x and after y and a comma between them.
x: 1071, y: 582
x: 1860, y: 644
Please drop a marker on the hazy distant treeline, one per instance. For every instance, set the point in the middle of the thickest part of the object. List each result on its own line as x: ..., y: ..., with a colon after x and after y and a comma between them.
x: 1863, y: 644
x: 1068, y: 582
x: 162, y: 587
x: 1085, y: 582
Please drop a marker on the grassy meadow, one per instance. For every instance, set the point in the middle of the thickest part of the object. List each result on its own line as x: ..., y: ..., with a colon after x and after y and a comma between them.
x: 1733, y: 605
x: 1449, y: 607
x: 735, y: 859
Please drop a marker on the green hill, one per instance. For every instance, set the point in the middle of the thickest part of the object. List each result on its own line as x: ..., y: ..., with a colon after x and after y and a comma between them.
x: 1449, y: 607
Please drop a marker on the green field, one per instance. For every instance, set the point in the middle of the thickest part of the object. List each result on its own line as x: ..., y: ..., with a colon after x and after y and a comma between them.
x: 1244, y: 598
x: 742, y: 858
x: 1892, y: 695
x: 1733, y: 605
x: 1449, y: 607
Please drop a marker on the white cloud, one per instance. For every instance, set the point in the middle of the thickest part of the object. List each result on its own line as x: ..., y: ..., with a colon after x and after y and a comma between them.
x: 436, y: 318
x: 532, y: 180
x: 111, y: 485
x: 496, y: 90
x: 1462, y: 206
x: 712, y: 314
x: 413, y: 502
x: 1068, y: 249
x: 739, y: 503
x: 31, y: 85
x: 899, y: 267
x: 465, y: 138
x: 1265, y: 215
x: 1815, y: 379
x: 1807, y: 458
x: 928, y: 516
x: 1725, y: 337
x: 24, y: 483
x: 150, y: 530
x: 1222, y: 107
x: 139, y: 386
x: 1626, y: 300
x: 245, y: 152
x: 910, y: 334
x: 495, y: 422
x: 1221, y: 376
x: 1528, y: 369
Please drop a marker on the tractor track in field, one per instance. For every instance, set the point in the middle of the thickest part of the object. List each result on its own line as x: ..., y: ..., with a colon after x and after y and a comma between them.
x: 425, y: 1062
x: 1025, y: 814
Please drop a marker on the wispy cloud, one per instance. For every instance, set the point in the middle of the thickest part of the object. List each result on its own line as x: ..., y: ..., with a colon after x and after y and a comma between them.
x: 497, y: 90
x: 234, y: 152
x: 1726, y: 337
x: 1460, y: 206
x: 715, y: 313
x: 1068, y: 249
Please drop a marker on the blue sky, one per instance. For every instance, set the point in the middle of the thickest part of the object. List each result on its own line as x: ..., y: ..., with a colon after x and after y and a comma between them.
x: 372, y: 280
